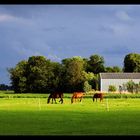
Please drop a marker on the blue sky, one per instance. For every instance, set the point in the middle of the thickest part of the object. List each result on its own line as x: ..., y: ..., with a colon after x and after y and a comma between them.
x: 62, y: 31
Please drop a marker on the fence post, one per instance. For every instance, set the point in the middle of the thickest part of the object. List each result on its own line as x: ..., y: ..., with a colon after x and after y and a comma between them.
x: 39, y: 104
x: 107, y: 106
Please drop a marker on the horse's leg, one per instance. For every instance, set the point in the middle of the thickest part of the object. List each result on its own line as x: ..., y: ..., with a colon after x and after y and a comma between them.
x: 55, y: 100
x: 101, y: 99
x: 71, y: 100
x: 61, y: 101
x: 48, y: 101
x: 80, y: 99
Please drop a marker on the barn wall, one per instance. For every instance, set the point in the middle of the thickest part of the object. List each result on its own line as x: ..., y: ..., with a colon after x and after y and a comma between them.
x: 104, y: 83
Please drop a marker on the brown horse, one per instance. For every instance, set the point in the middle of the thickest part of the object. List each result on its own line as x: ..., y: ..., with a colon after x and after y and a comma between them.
x: 77, y: 95
x: 55, y: 95
x: 98, y: 95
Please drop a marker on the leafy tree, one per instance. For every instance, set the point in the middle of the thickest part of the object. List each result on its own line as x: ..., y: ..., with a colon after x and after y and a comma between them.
x: 18, y: 77
x: 5, y: 87
x: 73, y: 78
x: 92, y: 79
x: 95, y: 84
x: 132, y: 63
x: 96, y: 64
x: 85, y: 64
x: 88, y: 76
x: 40, y: 74
x: 56, y: 81
x: 113, y: 69
x: 37, y: 75
x: 87, y: 87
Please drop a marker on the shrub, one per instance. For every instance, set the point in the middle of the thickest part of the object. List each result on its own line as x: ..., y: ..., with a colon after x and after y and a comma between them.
x: 87, y: 87
x: 112, y: 88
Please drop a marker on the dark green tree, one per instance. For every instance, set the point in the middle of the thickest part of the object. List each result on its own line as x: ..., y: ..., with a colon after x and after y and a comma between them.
x: 132, y: 63
x: 73, y: 78
x: 18, y: 77
x: 56, y: 80
x: 113, y: 69
x: 37, y: 75
x: 96, y: 64
x: 40, y: 74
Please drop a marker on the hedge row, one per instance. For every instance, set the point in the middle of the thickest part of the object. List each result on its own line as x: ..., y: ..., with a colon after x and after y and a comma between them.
x: 66, y: 95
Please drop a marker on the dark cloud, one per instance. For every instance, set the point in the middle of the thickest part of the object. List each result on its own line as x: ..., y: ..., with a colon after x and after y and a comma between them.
x: 61, y: 31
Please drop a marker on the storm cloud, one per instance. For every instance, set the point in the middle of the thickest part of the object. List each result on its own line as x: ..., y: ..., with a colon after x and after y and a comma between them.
x: 62, y: 31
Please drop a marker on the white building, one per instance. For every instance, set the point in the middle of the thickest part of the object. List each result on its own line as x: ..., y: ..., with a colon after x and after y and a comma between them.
x: 116, y: 79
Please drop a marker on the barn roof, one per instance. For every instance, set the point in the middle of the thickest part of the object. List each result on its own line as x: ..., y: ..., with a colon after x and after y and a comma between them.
x: 120, y: 75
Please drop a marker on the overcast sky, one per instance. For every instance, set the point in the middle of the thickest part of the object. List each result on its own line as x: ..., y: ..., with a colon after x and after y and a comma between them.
x: 62, y: 31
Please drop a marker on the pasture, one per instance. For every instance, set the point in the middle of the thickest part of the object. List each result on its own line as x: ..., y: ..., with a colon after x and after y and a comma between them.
x: 33, y: 116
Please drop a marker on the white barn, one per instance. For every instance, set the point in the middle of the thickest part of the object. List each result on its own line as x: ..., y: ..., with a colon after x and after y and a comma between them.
x: 116, y: 79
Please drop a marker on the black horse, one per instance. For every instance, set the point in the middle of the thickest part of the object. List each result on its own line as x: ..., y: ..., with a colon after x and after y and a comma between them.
x: 55, y: 95
x: 98, y: 95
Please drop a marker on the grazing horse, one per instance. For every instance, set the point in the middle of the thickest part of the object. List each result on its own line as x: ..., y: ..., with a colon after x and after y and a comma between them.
x: 98, y: 95
x: 77, y: 95
x: 55, y: 95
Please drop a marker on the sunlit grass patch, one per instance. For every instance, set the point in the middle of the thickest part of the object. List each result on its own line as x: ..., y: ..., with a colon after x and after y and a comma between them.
x: 33, y: 116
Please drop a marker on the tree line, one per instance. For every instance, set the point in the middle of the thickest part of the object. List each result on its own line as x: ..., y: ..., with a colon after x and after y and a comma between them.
x: 41, y: 75
x: 5, y: 87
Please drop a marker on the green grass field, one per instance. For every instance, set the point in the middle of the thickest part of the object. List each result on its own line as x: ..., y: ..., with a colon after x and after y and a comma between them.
x: 33, y: 116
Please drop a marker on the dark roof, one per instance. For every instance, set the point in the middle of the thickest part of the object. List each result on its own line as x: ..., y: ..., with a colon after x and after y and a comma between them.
x: 120, y: 75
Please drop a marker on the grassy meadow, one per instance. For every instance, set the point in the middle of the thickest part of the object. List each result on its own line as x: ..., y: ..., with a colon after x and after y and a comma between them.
x: 33, y: 116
